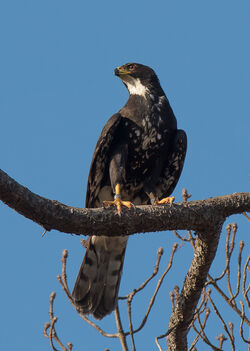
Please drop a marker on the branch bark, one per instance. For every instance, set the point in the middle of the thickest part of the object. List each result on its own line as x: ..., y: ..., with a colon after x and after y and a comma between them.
x: 200, y: 215
x: 206, y: 244
x: 206, y: 217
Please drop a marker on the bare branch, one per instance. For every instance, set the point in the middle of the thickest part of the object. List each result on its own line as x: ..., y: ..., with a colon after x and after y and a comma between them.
x: 228, y: 229
x: 206, y: 217
x: 239, y: 271
x: 247, y: 217
x: 221, y: 339
x: 229, y: 253
x: 244, y: 290
x: 131, y: 332
x: 203, y: 304
x: 121, y: 334
x: 130, y: 296
x: 172, y: 296
x: 195, y: 215
x: 201, y: 333
x: 144, y: 284
x: 180, y: 237
x: 174, y: 248
x: 241, y: 324
x: 222, y: 321
x: 163, y: 336
x: 202, y: 328
x: 182, y: 316
x: 52, y: 335
x: 231, y: 329
x: 64, y: 284
x: 229, y: 250
x: 185, y: 195
x: 157, y: 343
x: 226, y: 298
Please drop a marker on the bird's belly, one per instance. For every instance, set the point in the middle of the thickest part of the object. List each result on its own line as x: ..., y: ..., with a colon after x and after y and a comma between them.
x: 144, y: 154
x: 141, y: 164
x: 145, y: 146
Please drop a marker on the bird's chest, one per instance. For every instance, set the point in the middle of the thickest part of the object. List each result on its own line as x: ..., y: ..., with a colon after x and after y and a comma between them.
x: 146, y: 141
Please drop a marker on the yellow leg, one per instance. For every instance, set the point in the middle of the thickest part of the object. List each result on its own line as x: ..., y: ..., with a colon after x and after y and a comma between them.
x: 118, y: 201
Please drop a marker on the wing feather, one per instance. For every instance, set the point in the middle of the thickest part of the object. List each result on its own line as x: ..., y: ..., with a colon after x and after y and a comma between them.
x: 99, y: 166
x: 173, y: 167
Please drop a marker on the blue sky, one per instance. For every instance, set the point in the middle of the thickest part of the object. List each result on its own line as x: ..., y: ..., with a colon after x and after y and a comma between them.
x: 57, y: 89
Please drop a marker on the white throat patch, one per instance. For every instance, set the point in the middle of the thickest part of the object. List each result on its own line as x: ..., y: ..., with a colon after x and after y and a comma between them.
x: 135, y: 87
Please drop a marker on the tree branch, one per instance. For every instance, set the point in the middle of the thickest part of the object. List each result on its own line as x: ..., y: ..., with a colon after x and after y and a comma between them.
x: 200, y: 216
x: 205, y: 217
x: 205, y: 248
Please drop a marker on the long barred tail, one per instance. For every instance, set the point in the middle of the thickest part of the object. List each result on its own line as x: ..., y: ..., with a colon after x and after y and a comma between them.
x: 97, y: 284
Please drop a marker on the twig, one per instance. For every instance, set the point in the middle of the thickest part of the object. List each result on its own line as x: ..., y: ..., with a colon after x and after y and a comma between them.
x: 228, y: 229
x: 171, y: 295
x: 231, y: 329
x: 129, y: 301
x: 179, y: 236
x: 247, y: 217
x: 160, y: 252
x: 191, y: 239
x: 130, y: 297
x: 45, y: 231
x: 121, y: 335
x: 202, y: 334
x: 157, y: 343
x: 222, y: 321
x: 163, y: 336
x: 212, y: 282
x: 244, y: 290
x: 185, y: 195
x: 177, y: 293
x: 221, y: 339
x: 241, y: 323
x: 199, y: 310
x: 64, y: 284
x: 202, y: 328
x: 203, y: 304
x: 207, y: 313
x: 51, y: 301
x: 52, y: 335
x: 174, y: 248
x: 234, y: 227
x: 239, y: 272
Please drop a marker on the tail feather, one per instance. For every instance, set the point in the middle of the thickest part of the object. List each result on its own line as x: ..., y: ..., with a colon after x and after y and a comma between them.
x: 97, y: 284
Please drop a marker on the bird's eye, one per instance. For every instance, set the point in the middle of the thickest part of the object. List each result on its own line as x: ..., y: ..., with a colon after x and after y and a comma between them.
x: 131, y: 67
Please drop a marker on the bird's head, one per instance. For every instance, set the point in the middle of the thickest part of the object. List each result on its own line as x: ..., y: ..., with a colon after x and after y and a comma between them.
x: 138, y: 79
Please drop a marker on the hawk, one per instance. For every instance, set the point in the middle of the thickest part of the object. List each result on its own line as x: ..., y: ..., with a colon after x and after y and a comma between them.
x: 138, y: 160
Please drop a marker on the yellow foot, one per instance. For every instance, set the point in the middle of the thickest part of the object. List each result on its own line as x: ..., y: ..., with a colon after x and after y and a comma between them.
x: 118, y: 203
x: 166, y: 200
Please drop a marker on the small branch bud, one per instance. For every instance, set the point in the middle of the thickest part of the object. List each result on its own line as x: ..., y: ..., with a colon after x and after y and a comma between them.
x: 65, y: 253
x: 160, y: 251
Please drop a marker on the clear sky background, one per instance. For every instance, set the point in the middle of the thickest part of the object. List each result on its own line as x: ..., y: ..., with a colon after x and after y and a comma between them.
x: 57, y: 90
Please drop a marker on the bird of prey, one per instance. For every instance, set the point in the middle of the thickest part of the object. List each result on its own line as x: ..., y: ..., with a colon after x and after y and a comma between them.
x: 138, y: 160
